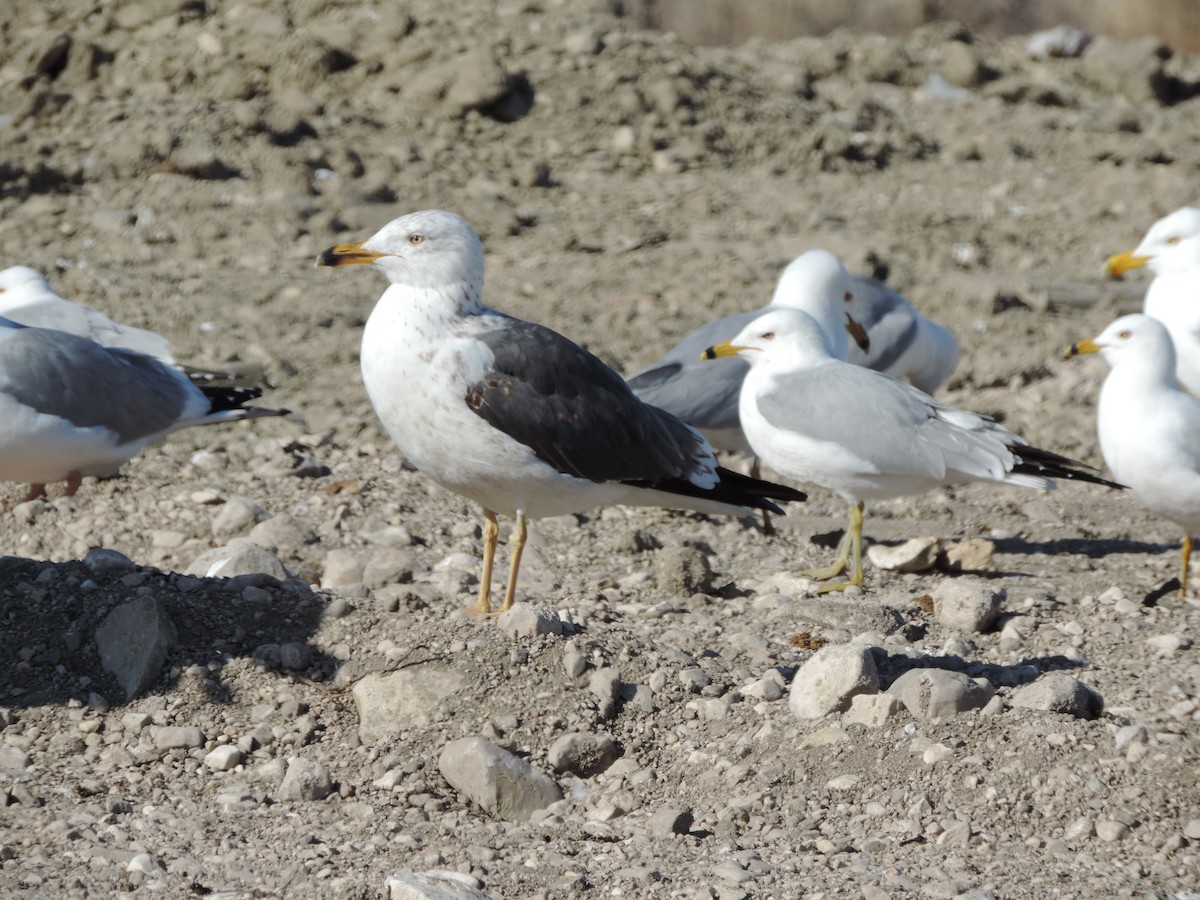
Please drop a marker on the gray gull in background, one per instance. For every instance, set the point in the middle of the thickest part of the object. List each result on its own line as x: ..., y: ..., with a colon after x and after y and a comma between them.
x: 70, y: 407
x: 508, y: 413
x: 901, y: 342
x: 863, y: 434
x: 898, y: 341
x: 705, y: 394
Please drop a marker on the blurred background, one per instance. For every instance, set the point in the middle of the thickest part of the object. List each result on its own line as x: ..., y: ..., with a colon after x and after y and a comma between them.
x: 1176, y: 22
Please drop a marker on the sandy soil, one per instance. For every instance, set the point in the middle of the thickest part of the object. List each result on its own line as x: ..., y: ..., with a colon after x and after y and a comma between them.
x: 180, y: 165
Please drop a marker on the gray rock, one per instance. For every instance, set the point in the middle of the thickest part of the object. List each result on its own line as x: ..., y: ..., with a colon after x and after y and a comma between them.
x: 472, y: 80
x: 1059, y: 693
x: 962, y: 66
x: 683, y: 570
x: 932, y: 694
x: 574, y: 662
x: 176, y: 737
x: 236, y: 516
x: 342, y: 568
x: 582, y: 754
x: 1130, y: 734
x: 434, y: 885
x: 605, y: 683
x: 971, y: 555
x: 522, y: 619
x: 1112, y: 831
x: 852, y: 616
x: 916, y: 555
x: 306, y: 779
x: 223, y: 758
x: 500, y: 783
x: 13, y: 758
x: 1132, y: 69
x: 872, y: 710
x: 133, y: 642
x: 100, y: 561
x: 831, y: 678
x: 388, y: 565
x: 295, y: 656
x: 669, y: 821
x: 146, y: 864
x: 966, y: 604
x: 395, y: 701
x: 282, y: 533
x: 241, y: 556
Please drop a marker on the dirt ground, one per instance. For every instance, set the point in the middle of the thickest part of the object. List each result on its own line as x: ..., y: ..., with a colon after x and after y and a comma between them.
x: 179, y: 165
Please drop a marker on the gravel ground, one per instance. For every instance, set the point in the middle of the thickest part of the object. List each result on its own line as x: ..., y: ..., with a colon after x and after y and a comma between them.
x: 241, y: 669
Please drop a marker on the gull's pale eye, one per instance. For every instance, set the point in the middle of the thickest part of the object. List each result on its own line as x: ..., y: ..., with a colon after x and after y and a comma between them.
x: 1173, y: 239
x: 1125, y: 335
x: 416, y: 238
x: 768, y: 336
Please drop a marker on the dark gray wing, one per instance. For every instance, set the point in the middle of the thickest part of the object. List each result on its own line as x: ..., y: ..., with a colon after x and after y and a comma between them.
x: 576, y: 413
x: 76, y: 379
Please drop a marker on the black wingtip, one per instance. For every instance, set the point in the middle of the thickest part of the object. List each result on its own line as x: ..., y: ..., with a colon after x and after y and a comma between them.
x: 1048, y: 464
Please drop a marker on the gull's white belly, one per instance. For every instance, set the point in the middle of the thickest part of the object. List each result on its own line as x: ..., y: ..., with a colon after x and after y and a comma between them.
x: 39, y: 449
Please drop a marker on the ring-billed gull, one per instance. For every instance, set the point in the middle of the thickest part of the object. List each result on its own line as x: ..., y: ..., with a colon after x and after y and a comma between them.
x: 889, y: 334
x: 1171, y: 250
x: 865, y: 435
x: 70, y: 407
x: 511, y: 414
x: 1149, y: 429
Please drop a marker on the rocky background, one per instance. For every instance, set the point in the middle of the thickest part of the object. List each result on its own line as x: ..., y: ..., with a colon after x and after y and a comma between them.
x: 242, y: 671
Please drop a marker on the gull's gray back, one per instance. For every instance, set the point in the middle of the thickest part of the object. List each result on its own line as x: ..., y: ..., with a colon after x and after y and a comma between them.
x: 64, y: 375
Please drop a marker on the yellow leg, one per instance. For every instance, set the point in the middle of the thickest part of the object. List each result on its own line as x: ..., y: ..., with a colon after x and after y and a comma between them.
x: 756, y: 472
x: 491, y: 535
x: 518, y: 547
x: 849, y: 553
x: 1187, y: 558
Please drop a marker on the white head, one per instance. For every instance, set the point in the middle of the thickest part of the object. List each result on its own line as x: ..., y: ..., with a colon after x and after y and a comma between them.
x: 1171, y: 245
x: 817, y: 283
x: 784, y: 338
x: 23, y: 278
x: 430, y: 250
x: 1135, y: 341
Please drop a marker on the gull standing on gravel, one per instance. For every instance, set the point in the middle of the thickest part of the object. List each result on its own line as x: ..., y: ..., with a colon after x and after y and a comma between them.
x: 865, y: 435
x: 511, y: 414
x: 1171, y: 250
x: 1149, y: 428
x: 70, y: 407
x: 26, y: 297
